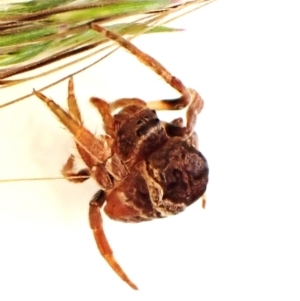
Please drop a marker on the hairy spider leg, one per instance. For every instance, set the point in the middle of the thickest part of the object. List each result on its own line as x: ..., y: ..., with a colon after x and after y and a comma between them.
x: 113, y: 164
x: 146, y: 59
x: 189, y: 96
x: 72, y: 102
x: 95, y: 147
x: 74, y: 176
x: 100, y: 237
x: 108, y: 120
x: 123, y: 102
x: 93, y: 151
x: 194, y: 108
x: 68, y: 169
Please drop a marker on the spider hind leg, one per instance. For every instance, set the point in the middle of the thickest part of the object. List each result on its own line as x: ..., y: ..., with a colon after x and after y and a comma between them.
x: 96, y: 225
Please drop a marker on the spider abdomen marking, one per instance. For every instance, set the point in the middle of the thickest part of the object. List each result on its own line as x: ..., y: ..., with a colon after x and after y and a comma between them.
x: 180, y: 169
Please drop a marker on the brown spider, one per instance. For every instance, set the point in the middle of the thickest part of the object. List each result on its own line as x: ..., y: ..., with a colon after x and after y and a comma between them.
x: 146, y: 168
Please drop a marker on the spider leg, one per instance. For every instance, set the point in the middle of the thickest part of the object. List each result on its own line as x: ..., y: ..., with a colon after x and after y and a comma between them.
x: 177, y: 122
x: 189, y: 97
x: 193, y: 140
x: 124, y: 102
x: 204, y: 201
x: 72, y: 102
x: 147, y: 60
x: 73, y: 176
x: 113, y: 164
x: 93, y: 151
x: 100, y: 237
x: 96, y: 148
x: 106, y: 109
x: 103, y: 108
x: 68, y: 169
x: 176, y: 128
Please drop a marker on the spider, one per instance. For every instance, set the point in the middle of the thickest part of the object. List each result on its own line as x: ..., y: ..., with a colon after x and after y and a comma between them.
x: 146, y: 168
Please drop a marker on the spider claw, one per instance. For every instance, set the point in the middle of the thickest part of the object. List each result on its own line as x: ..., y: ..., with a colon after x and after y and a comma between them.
x: 117, y: 268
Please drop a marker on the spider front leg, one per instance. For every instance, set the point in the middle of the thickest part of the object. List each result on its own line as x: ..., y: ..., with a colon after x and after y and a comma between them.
x: 96, y: 225
x: 94, y: 151
x: 189, y: 97
x: 146, y: 59
x: 68, y: 169
x: 195, y: 105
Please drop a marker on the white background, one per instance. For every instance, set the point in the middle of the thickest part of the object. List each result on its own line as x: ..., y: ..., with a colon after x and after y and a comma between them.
x: 243, y: 58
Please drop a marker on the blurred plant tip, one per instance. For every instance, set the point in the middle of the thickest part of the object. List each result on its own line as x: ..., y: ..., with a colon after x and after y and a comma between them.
x: 40, y: 37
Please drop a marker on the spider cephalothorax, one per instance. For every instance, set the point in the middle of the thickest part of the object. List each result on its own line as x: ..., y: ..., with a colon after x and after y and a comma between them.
x: 146, y: 168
